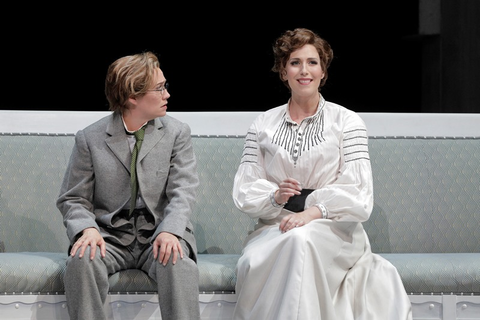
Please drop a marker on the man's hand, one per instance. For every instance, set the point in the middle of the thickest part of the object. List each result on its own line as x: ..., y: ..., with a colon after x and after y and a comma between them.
x: 168, y: 244
x: 90, y: 237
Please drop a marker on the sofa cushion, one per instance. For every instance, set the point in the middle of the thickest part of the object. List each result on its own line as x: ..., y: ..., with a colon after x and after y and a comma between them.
x: 42, y: 273
x: 31, y: 272
x: 217, y: 274
x: 438, y: 272
x: 131, y: 280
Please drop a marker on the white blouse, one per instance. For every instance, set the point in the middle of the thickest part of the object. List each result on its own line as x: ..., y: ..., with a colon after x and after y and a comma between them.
x: 327, y: 152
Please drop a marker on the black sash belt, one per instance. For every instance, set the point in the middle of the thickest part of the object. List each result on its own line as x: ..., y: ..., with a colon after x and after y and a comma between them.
x: 296, y: 203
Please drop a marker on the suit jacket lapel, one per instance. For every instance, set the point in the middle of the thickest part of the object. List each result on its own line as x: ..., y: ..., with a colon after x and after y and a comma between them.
x: 117, y: 141
x: 153, y: 134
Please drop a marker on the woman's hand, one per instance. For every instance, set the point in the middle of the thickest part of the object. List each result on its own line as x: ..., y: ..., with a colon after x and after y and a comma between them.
x: 299, y: 219
x: 287, y: 188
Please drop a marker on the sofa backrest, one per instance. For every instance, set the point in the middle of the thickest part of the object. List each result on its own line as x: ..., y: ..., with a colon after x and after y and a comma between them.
x: 32, y: 168
x: 426, y: 194
x: 31, y: 171
x: 426, y: 190
x: 219, y: 226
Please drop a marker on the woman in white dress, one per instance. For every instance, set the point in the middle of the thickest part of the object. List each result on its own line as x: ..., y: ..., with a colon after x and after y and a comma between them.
x: 305, y: 175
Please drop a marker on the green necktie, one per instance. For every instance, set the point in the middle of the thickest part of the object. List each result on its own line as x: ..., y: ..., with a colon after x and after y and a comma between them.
x: 139, y: 134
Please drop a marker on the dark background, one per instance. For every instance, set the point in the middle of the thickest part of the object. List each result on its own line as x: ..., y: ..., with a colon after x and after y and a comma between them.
x: 217, y: 57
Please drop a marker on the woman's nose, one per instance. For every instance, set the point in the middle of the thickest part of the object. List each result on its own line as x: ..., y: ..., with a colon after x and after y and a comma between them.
x: 304, y: 69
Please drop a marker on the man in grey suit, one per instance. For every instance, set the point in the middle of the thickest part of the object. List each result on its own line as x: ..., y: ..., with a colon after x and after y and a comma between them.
x: 108, y: 232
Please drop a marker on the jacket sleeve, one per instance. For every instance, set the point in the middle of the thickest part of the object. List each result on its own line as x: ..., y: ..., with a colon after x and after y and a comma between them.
x: 76, y: 193
x: 181, y: 186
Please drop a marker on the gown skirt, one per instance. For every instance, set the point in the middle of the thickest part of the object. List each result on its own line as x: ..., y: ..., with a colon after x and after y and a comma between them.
x: 322, y: 270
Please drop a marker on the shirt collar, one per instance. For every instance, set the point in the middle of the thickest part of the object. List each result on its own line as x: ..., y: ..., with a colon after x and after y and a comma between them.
x: 129, y: 131
x: 321, y: 104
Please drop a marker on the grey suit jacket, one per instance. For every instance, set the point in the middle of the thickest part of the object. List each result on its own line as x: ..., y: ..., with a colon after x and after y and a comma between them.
x: 96, y: 185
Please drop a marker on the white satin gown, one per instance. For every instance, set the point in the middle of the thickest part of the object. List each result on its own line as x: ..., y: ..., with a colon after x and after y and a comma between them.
x: 324, y: 269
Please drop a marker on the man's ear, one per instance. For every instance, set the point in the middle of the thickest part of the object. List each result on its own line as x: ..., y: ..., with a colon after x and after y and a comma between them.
x: 133, y: 100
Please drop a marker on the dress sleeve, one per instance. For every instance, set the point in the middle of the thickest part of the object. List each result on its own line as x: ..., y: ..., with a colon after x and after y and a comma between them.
x: 350, y: 196
x: 251, y: 189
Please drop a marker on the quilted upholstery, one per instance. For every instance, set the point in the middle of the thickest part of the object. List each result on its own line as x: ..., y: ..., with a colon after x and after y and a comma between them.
x: 31, y: 171
x: 426, y: 194
x: 219, y: 226
x: 27, y: 272
x: 438, y: 273
x: 425, y: 218
x: 217, y: 275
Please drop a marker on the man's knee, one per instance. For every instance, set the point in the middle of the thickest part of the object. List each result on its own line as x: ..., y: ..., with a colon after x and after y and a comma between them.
x: 83, y: 263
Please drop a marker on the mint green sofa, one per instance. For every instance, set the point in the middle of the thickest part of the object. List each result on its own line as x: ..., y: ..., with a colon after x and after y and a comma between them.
x: 425, y: 219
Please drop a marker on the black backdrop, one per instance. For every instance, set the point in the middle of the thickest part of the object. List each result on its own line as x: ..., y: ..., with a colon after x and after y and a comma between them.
x: 216, y: 57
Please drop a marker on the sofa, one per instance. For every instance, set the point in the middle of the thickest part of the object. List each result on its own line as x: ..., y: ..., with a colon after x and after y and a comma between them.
x: 425, y: 220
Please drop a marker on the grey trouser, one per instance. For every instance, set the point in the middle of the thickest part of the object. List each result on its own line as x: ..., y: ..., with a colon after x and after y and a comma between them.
x: 86, y: 281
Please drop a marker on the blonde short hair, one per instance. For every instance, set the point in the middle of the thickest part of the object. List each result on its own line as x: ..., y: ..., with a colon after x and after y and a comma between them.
x: 129, y: 76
